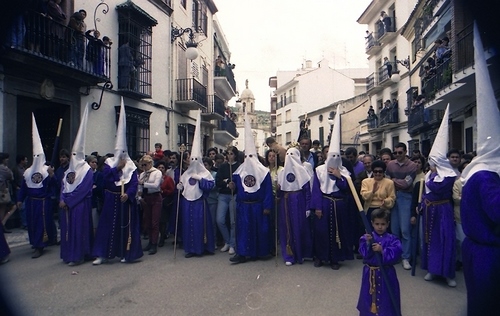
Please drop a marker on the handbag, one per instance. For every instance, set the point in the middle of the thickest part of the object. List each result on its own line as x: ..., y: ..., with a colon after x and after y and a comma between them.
x: 5, y: 196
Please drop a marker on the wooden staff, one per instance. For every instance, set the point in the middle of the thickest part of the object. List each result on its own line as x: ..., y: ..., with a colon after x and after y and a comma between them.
x: 182, y: 149
x: 276, y: 215
x: 415, y: 247
x: 378, y: 256
x: 122, y: 211
x: 56, y: 144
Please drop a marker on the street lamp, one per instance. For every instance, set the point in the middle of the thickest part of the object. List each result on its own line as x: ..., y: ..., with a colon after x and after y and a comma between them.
x: 191, y: 51
x: 395, y: 77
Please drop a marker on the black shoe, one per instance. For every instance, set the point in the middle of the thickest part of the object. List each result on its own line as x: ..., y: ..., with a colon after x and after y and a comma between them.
x: 189, y: 255
x: 358, y: 256
x: 335, y: 266
x: 238, y: 259
x: 38, y: 253
x: 152, y: 251
x: 147, y: 248
x: 161, y: 242
x: 458, y: 266
x: 318, y: 263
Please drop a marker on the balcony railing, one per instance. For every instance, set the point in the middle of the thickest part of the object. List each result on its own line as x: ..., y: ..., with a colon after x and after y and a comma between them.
x: 383, y: 28
x: 191, y: 90
x: 229, y: 126
x: 53, y: 41
x: 441, y: 79
x: 215, y: 105
x: 464, y: 49
x: 370, y: 42
x: 227, y: 72
x: 420, y: 118
x: 385, y: 71
x: 370, y: 82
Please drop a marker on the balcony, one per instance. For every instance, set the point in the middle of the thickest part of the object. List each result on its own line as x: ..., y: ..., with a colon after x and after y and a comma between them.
x: 388, y: 117
x: 191, y: 95
x: 421, y: 119
x: 55, y: 50
x: 385, y: 31
x: 440, y: 77
x: 216, y: 109
x: 372, y: 46
x: 226, y: 131
x: 384, y: 78
x: 224, y: 83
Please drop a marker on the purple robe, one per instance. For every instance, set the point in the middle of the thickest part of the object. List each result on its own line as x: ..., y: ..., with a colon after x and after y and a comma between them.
x: 335, y: 214
x: 438, y: 254
x: 4, y: 247
x: 252, y: 226
x: 480, y: 214
x: 198, y: 234
x: 294, y: 228
x: 76, y: 221
x: 39, y: 216
x: 119, y: 222
x: 391, y: 253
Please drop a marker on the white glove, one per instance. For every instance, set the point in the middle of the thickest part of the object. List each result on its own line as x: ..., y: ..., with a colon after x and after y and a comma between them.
x: 196, y: 177
x: 180, y: 186
x: 308, y: 213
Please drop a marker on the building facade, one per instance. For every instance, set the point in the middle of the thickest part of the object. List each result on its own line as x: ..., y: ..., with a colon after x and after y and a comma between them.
x: 58, y: 65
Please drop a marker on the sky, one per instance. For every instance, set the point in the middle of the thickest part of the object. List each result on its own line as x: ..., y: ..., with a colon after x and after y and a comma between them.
x: 266, y: 36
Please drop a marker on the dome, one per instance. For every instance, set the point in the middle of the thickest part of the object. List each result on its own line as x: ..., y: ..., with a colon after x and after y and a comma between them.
x: 247, y: 93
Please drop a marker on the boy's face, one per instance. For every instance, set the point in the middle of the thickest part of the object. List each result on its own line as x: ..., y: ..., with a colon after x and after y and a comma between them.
x: 380, y: 225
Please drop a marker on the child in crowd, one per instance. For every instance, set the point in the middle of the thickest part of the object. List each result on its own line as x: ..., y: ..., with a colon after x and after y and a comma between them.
x: 375, y: 295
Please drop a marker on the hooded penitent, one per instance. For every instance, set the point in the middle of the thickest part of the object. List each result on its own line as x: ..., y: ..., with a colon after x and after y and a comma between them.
x: 192, y: 189
x: 488, y: 118
x: 251, y: 171
x: 294, y: 175
x: 121, y: 150
x: 78, y: 167
x: 333, y: 160
x: 35, y: 174
x: 437, y: 156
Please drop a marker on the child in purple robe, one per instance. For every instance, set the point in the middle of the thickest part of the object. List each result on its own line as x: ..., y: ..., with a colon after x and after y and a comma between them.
x: 375, y: 295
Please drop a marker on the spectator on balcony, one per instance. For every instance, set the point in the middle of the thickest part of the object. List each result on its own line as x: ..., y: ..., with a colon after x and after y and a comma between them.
x: 76, y: 34
x: 419, y: 100
x: 388, y: 66
x: 440, y: 51
x: 386, y: 19
x: 446, y: 45
x: 370, y: 42
x: 220, y: 66
x: 394, y: 111
x: 56, y: 28
x: 125, y: 65
x: 105, y: 54
x: 94, y: 52
x: 372, y: 118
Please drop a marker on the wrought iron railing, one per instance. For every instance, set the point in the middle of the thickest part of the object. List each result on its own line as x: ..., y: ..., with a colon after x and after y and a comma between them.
x: 191, y: 90
x: 464, y: 48
x: 370, y: 82
x: 229, y: 126
x: 41, y: 36
x: 215, y: 105
x: 441, y: 79
x: 227, y: 72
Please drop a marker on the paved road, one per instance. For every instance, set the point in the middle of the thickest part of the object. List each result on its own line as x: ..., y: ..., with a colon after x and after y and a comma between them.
x: 160, y: 285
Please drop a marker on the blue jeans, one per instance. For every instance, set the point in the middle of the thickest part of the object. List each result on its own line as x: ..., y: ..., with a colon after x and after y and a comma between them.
x: 212, y: 206
x: 400, y: 221
x: 226, y: 203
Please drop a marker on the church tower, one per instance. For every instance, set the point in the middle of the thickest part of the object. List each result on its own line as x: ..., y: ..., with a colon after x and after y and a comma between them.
x: 247, y: 102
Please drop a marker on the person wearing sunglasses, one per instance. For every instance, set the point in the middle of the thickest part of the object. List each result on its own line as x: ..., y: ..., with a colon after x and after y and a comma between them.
x: 379, y: 191
x: 402, y: 171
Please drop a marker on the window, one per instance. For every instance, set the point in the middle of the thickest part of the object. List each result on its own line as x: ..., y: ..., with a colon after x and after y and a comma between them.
x: 185, y: 134
x: 284, y: 98
x: 288, y: 116
x: 278, y: 120
x: 200, y: 23
x: 288, y: 138
x: 395, y: 141
x: 279, y: 139
x: 137, y: 133
x: 134, y: 50
x: 183, y: 3
x: 321, y: 132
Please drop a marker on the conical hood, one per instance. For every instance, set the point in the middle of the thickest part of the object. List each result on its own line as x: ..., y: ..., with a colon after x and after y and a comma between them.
x: 251, y: 171
x: 78, y: 167
x: 35, y: 174
x: 488, y: 117
x: 437, y: 155
x: 121, y: 151
x: 333, y: 160
x: 121, y: 133
x: 192, y: 189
